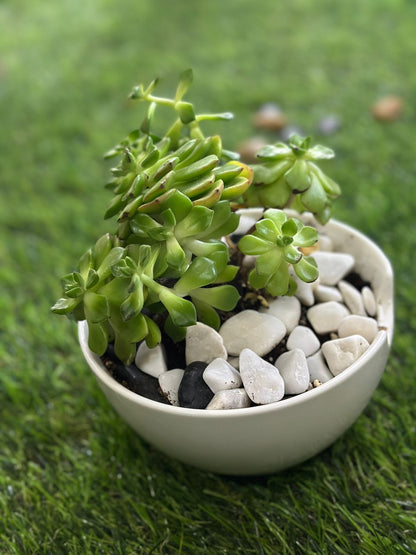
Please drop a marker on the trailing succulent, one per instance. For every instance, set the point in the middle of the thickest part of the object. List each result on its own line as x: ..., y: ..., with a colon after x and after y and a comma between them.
x: 175, y: 199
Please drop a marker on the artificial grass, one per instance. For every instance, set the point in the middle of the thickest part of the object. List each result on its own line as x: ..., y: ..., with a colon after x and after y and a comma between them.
x: 73, y: 478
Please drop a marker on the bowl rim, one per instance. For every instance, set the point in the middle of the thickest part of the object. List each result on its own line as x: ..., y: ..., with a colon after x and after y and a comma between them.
x: 383, y: 336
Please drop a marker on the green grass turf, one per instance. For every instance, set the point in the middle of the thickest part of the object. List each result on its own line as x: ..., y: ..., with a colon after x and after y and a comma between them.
x: 73, y: 478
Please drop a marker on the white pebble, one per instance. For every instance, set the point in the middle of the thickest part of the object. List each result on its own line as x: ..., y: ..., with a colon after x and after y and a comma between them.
x: 304, y: 291
x: 220, y: 375
x: 326, y: 317
x: 352, y: 298
x: 325, y: 293
x: 254, y: 330
x: 247, y: 219
x: 318, y: 370
x: 325, y: 243
x: 333, y: 266
x: 262, y: 381
x: 341, y: 353
x: 303, y: 338
x: 169, y: 383
x: 151, y: 361
x: 229, y: 399
x: 369, y: 301
x: 203, y: 343
x: 358, y: 325
x: 294, y: 370
x: 287, y: 309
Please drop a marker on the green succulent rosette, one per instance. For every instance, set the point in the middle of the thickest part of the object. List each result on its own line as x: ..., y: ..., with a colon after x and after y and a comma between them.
x: 289, y: 177
x: 276, y: 243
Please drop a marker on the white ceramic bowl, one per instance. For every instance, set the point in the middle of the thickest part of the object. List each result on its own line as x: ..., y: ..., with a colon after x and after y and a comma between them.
x: 269, y: 438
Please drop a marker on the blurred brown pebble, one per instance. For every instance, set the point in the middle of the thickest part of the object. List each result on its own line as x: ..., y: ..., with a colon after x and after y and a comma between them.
x: 249, y: 148
x: 269, y: 117
x: 388, y: 108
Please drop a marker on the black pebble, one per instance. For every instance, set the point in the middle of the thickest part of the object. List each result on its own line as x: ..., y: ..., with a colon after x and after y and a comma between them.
x: 133, y: 378
x: 193, y: 391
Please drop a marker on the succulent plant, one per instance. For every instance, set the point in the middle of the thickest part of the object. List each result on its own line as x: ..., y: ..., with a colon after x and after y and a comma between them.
x: 175, y: 200
x: 276, y: 243
x: 288, y: 176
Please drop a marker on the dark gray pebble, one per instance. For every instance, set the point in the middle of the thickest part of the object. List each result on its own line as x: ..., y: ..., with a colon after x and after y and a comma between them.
x: 193, y: 391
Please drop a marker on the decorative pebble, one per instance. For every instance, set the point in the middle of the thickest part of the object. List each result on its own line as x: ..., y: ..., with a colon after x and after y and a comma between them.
x: 193, y: 391
x: 286, y: 309
x: 304, y: 339
x: 388, y: 108
x: 248, y: 219
x: 249, y: 148
x: 151, y: 361
x: 333, y: 266
x: 325, y: 243
x: 325, y: 293
x: 369, y: 301
x: 220, y: 375
x: 269, y: 117
x: 293, y: 368
x: 254, y: 330
x: 326, y: 317
x: 249, y: 261
x: 304, y: 291
x: 262, y: 381
x: 341, y: 353
x: 329, y: 124
x: 352, y: 298
x: 318, y: 370
x: 203, y: 343
x: 169, y: 384
x: 361, y: 325
x: 229, y: 399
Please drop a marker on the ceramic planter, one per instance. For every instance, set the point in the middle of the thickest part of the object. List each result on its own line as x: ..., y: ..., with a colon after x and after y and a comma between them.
x: 268, y: 438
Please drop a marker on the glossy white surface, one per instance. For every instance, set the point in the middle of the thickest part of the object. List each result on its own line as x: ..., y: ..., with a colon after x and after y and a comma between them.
x: 269, y: 438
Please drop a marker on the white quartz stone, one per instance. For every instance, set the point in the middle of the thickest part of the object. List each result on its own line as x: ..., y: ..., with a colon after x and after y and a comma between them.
x: 287, y: 309
x: 247, y: 219
x: 304, y: 291
x: 318, y: 370
x: 203, y: 343
x: 352, y: 298
x: 151, y: 361
x: 333, y: 266
x: 303, y: 338
x: 262, y: 381
x: 326, y: 317
x: 294, y: 370
x: 369, y: 301
x: 358, y: 325
x: 219, y: 375
x: 254, y: 330
x: 169, y: 383
x: 341, y: 353
x: 229, y: 399
x: 325, y: 293
x: 325, y: 243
